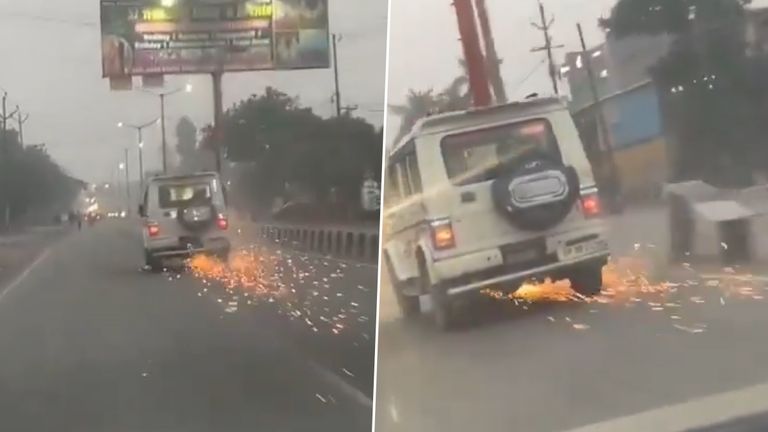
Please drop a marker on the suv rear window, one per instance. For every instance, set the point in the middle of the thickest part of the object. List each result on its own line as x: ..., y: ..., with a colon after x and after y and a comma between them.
x: 474, y: 157
x: 182, y: 195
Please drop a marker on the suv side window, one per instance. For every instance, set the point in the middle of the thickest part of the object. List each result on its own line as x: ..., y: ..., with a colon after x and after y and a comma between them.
x: 404, y: 180
x: 145, y: 204
x: 393, y: 188
x: 414, y: 176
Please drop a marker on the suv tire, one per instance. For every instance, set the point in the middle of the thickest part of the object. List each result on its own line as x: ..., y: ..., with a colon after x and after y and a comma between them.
x: 410, y: 306
x: 587, y: 280
x: 542, y: 216
x: 151, y: 261
x: 443, y: 309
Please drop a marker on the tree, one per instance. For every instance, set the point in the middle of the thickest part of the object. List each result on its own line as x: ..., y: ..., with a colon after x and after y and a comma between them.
x: 191, y: 157
x: 419, y: 104
x: 32, y: 186
x: 294, y: 153
x: 710, y: 93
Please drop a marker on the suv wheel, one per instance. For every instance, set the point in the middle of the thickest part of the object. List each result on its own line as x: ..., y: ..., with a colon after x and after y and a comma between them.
x: 587, y: 280
x: 443, y: 309
x: 223, y: 255
x: 409, y: 305
x: 151, y: 261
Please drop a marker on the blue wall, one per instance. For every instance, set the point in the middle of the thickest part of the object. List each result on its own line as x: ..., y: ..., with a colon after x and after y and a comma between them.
x: 636, y: 117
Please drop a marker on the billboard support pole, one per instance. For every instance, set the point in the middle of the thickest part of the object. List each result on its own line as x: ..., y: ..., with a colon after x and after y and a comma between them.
x: 336, y: 76
x: 218, y: 111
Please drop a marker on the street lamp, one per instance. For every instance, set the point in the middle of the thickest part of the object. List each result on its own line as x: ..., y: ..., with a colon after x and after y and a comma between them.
x: 187, y: 89
x: 140, y: 133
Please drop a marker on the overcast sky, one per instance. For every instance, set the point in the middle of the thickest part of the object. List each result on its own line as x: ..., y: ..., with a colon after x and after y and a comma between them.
x: 51, y: 66
x: 424, y: 43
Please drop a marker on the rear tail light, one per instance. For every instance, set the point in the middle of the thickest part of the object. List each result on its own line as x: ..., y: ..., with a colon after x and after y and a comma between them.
x: 442, y: 234
x: 153, y: 230
x: 590, y: 205
x: 222, y: 222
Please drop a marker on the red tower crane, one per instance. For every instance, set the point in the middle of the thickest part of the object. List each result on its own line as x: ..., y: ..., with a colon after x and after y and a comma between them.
x: 473, y: 53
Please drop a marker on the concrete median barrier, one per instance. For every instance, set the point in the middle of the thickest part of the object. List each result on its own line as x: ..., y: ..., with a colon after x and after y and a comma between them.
x: 358, y: 243
x: 706, y: 221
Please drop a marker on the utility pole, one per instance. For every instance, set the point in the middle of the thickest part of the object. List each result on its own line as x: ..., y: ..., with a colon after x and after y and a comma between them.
x: 21, y: 119
x: 545, y: 27
x: 492, y: 57
x: 473, y: 53
x: 604, y: 153
x: 127, y: 181
x: 337, y: 94
x: 349, y: 109
x: 4, y: 152
x: 5, y: 117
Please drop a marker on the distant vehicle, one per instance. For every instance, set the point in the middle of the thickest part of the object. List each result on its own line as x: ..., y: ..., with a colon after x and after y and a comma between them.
x: 183, y: 216
x: 491, y: 198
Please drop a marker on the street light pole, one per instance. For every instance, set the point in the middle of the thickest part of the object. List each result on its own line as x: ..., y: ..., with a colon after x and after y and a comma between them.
x: 141, y: 161
x: 140, y: 134
x: 127, y: 181
x: 162, y: 96
x: 162, y: 126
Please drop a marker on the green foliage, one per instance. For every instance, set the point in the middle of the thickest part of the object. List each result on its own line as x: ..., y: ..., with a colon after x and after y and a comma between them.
x: 419, y: 104
x: 711, y: 91
x: 291, y: 148
x: 31, y: 183
x: 190, y: 158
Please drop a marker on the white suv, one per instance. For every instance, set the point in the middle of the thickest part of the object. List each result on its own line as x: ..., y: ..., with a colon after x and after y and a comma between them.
x: 184, y: 215
x: 490, y: 198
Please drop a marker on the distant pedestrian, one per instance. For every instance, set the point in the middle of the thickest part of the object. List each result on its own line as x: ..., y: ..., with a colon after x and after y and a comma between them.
x: 79, y: 218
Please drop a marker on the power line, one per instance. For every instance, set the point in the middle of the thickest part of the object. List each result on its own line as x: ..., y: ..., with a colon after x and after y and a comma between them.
x: 529, y: 75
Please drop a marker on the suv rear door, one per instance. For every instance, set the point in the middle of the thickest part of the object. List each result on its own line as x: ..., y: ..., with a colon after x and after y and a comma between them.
x: 168, y: 196
x: 473, y: 160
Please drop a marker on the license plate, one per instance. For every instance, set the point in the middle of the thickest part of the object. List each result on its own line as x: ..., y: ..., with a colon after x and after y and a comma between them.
x: 518, y: 257
x: 174, y: 262
x: 582, y: 249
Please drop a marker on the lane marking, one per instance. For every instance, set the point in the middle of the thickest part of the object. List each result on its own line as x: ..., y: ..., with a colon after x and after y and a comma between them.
x: 20, y: 278
x: 345, y: 387
x: 695, y: 414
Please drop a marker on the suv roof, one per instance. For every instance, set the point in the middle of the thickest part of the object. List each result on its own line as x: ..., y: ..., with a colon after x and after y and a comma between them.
x: 183, y: 177
x: 449, y: 121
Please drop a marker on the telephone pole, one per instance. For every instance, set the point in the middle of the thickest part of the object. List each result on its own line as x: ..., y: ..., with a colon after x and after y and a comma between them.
x: 5, y: 117
x: 349, y: 109
x: 20, y: 120
x: 603, y: 155
x: 545, y: 28
x: 337, y: 93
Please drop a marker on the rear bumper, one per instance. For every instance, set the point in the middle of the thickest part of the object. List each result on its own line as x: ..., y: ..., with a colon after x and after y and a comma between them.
x: 482, y: 280
x: 165, y: 249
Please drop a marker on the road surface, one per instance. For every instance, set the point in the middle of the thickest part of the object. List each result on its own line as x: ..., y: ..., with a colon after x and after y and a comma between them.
x: 555, y: 366
x: 89, y: 342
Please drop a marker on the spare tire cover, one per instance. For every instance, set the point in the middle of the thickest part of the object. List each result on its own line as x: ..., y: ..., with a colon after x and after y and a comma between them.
x: 536, y: 192
x: 196, y: 218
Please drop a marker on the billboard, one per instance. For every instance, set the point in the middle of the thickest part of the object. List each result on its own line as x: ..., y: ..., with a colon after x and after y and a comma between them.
x: 150, y: 37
